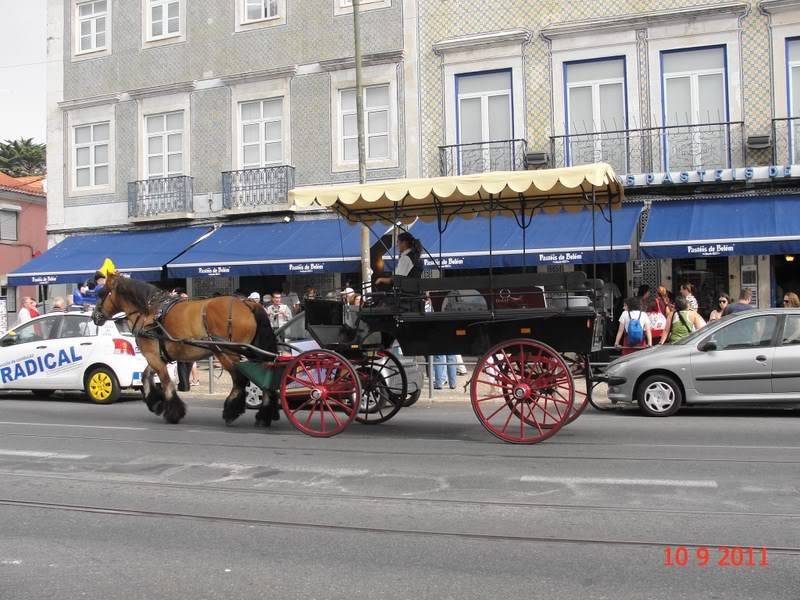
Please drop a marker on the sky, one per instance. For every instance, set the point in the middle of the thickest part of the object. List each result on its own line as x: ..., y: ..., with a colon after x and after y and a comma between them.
x: 23, y: 52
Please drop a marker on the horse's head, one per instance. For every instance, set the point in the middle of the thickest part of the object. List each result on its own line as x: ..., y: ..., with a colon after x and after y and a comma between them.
x: 107, y: 305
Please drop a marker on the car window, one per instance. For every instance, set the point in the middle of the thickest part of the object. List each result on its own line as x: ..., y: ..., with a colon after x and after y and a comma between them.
x: 36, y: 331
x: 755, y: 332
x: 73, y: 326
x: 791, y: 331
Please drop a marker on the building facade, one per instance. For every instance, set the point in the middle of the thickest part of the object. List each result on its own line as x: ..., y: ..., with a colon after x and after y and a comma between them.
x: 687, y: 100
x: 23, y: 217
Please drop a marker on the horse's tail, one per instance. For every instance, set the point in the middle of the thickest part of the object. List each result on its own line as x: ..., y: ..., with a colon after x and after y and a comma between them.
x: 265, y: 337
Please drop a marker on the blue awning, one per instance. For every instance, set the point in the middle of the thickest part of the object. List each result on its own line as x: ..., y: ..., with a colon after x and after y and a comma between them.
x: 298, y: 247
x: 724, y: 227
x: 562, y: 238
x: 140, y: 254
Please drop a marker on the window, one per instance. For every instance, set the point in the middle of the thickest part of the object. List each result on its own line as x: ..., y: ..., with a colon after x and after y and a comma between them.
x: 755, y: 332
x: 377, y: 110
x: 73, y: 326
x: 791, y: 331
x: 36, y: 331
x: 595, y: 103
x: 10, y: 294
x: 341, y: 7
x: 257, y: 10
x: 163, y: 19
x: 164, y: 144
x: 793, y: 69
x: 262, y: 133
x: 695, y: 105
x: 9, y: 225
x: 484, y: 115
x: 91, y: 26
x: 91, y: 155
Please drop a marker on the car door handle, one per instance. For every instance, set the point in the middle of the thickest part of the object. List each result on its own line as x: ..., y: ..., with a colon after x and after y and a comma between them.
x: 86, y: 343
x: 761, y: 358
x: 41, y: 347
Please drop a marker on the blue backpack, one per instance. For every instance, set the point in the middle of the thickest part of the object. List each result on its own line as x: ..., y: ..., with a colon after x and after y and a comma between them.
x: 634, y: 331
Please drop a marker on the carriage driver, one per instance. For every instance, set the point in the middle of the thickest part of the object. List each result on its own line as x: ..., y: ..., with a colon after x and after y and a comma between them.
x: 409, y: 263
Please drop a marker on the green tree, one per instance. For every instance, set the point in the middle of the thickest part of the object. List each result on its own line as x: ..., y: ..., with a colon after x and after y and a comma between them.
x: 22, y: 158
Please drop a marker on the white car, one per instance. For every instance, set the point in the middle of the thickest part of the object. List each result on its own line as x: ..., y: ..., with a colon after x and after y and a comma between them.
x: 67, y: 351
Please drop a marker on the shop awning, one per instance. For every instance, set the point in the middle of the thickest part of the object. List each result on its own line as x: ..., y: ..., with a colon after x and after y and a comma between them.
x: 140, y: 254
x: 562, y: 238
x: 723, y: 227
x: 550, y: 190
x: 297, y: 247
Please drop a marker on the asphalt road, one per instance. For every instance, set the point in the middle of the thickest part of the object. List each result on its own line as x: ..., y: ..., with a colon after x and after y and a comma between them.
x: 109, y: 502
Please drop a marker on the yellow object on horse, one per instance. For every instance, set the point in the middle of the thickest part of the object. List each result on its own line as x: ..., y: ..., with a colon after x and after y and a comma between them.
x: 108, y: 268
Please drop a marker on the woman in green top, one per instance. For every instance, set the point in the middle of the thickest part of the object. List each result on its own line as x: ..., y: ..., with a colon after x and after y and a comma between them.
x: 681, y: 322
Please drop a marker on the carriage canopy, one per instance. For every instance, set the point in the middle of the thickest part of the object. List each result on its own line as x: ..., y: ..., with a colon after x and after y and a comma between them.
x: 549, y: 190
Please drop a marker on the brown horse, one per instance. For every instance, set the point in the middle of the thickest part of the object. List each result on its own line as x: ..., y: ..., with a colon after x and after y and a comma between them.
x: 225, y: 318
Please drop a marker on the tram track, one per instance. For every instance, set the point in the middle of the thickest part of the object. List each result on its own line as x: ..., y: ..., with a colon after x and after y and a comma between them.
x: 480, y: 504
x: 438, y: 452
x: 660, y: 544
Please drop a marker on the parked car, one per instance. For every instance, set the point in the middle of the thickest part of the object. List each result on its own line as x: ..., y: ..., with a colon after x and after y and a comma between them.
x: 752, y: 357
x: 294, y: 332
x: 67, y: 351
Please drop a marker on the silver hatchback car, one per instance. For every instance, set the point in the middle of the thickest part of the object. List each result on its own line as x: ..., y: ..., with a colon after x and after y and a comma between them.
x: 750, y: 357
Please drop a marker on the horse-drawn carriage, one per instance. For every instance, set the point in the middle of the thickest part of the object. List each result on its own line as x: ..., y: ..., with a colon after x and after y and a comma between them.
x: 534, y: 332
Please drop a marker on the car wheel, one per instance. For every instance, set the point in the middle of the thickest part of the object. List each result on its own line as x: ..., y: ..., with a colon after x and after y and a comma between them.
x: 253, y: 396
x: 660, y: 396
x: 101, y: 386
x: 42, y: 393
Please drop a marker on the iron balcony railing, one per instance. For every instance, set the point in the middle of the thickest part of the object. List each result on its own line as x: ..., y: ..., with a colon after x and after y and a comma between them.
x: 786, y: 141
x: 253, y: 188
x: 655, y: 149
x: 465, y: 159
x: 160, y: 196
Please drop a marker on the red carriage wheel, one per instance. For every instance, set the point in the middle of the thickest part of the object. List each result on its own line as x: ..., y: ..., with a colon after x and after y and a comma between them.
x: 522, y: 391
x: 582, y: 375
x: 320, y: 393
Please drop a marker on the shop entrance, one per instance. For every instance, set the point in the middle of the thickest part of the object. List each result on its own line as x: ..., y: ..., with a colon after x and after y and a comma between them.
x: 708, y: 275
x: 786, y: 270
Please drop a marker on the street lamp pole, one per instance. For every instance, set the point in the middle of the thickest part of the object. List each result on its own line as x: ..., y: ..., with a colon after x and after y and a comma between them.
x: 362, y: 158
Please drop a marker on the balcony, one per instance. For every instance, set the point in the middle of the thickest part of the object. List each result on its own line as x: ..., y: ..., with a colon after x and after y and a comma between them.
x: 786, y: 141
x: 655, y: 149
x: 160, y: 198
x: 466, y: 159
x: 257, y: 190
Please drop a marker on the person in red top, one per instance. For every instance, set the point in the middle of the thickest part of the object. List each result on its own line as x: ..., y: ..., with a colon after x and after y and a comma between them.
x: 658, y: 322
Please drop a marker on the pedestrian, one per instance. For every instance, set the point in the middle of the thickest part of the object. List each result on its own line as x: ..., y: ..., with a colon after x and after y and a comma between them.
x: 688, y: 292
x: 77, y: 294
x: 440, y: 363
x: 58, y: 304
x: 634, y: 326
x: 290, y: 299
x: 791, y: 300
x: 681, y: 321
x: 658, y: 321
x: 28, y: 311
x: 279, y: 314
x: 742, y: 304
x: 90, y: 296
x: 309, y: 293
x: 184, y: 369
x: 255, y: 297
x: 643, y: 294
x: 663, y: 299
x: 409, y: 263
x: 722, y: 303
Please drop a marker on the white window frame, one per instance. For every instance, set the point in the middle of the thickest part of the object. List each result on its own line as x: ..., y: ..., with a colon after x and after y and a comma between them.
x: 595, y: 84
x: 90, y: 116
x: 149, y: 40
x: 95, y: 51
x: 165, y: 153
x: 372, y: 76
x: 792, y: 127
x: 694, y: 88
x: 242, y: 23
x: 154, y: 105
x: 367, y: 133
x: 484, y: 97
x: 91, y: 145
x: 262, y: 139
x: 345, y: 7
x: 269, y: 89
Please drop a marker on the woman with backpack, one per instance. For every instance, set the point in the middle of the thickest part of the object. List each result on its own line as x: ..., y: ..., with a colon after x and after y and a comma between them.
x: 634, y: 325
x: 681, y: 322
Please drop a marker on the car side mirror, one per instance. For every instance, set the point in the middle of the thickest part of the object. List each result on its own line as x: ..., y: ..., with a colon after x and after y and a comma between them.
x: 708, y: 346
x: 9, y: 340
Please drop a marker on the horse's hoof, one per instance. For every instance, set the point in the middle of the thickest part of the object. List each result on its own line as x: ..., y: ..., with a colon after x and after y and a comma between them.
x: 174, y: 413
x: 263, y: 423
x: 157, y: 408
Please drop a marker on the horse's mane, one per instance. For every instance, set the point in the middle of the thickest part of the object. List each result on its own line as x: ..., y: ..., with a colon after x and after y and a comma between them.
x: 141, y: 294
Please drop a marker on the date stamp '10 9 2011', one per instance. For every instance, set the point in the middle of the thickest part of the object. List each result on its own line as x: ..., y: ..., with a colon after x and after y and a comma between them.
x: 721, y: 556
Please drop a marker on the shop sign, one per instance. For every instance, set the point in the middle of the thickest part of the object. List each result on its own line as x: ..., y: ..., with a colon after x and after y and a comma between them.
x: 213, y: 271
x: 44, y: 279
x: 301, y: 268
x: 560, y: 258
x: 447, y: 262
x: 712, y: 176
x: 711, y: 249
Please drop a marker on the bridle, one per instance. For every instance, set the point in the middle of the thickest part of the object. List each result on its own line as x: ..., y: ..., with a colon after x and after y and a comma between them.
x: 138, y: 313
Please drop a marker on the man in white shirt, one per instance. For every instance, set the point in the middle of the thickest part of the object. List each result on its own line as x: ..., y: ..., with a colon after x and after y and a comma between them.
x: 28, y: 311
x: 279, y: 314
x: 409, y: 256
